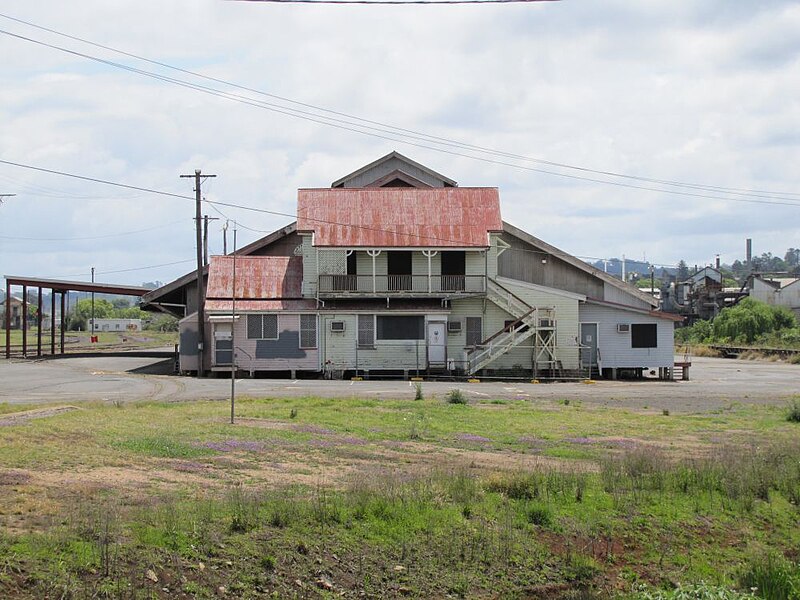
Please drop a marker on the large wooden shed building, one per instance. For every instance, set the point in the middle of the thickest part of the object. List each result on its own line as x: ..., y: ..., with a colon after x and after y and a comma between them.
x: 396, y: 270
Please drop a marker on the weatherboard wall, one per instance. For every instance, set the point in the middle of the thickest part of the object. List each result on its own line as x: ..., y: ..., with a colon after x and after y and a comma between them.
x: 615, y: 348
x: 283, y: 354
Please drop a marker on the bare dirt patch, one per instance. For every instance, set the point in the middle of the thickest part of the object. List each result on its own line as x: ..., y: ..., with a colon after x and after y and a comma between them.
x: 37, y: 413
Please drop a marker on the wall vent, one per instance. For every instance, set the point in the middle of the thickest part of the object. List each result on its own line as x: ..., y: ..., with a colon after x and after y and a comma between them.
x: 337, y: 326
x: 623, y: 327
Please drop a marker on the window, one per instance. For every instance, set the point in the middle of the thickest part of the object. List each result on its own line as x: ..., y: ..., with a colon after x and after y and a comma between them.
x: 262, y: 327
x: 366, y: 331
x: 308, y: 331
x: 401, y: 328
x: 474, y: 331
x: 644, y: 335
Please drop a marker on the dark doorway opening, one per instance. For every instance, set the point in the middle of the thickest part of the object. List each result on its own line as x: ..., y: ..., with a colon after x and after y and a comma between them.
x: 454, y: 268
x: 399, y: 270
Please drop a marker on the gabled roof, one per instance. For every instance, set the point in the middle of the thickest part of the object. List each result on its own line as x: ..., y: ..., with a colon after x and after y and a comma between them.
x: 446, y: 181
x: 257, y: 277
x: 399, y: 217
x: 262, y: 283
x: 579, y: 264
x: 153, y: 296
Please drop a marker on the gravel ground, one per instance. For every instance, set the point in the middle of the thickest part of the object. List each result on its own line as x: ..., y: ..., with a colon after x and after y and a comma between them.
x: 715, y: 383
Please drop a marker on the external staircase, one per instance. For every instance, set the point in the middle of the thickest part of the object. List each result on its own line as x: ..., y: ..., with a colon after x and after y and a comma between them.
x: 532, y: 323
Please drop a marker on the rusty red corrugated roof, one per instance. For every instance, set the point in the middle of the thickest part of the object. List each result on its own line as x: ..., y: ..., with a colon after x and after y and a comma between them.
x: 257, y: 277
x: 400, y: 217
x: 260, y: 305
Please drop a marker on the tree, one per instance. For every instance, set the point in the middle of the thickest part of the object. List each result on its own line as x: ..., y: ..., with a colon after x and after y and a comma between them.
x: 683, y: 271
x: 749, y: 320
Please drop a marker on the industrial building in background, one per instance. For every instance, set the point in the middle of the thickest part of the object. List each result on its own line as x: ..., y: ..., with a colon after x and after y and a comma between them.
x: 396, y: 270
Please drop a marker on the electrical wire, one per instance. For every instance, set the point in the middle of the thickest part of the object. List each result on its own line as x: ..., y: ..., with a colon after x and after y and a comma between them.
x: 216, y: 203
x: 435, y: 139
x: 398, y: 2
x: 379, y: 133
x: 87, y: 238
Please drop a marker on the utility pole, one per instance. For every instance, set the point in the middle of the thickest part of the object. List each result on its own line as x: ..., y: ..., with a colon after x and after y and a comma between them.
x: 91, y: 333
x: 233, y: 329
x: 206, y: 219
x: 201, y: 329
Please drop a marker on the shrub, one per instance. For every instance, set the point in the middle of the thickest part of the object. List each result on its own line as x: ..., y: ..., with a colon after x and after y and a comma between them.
x: 456, y: 396
x: 793, y: 414
x: 773, y: 578
x: 701, y: 591
x: 539, y: 515
x: 418, y: 395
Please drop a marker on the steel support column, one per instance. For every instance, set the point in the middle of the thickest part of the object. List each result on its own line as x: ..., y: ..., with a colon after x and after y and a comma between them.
x: 24, y: 318
x: 39, y: 324
x: 62, y: 322
x: 8, y: 319
x: 52, y: 321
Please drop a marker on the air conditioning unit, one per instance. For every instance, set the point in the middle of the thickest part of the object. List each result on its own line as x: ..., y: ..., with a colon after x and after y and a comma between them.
x: 623, y: 327
x: 454, y: 327
x: 337, y: 326
x: 545, y: 323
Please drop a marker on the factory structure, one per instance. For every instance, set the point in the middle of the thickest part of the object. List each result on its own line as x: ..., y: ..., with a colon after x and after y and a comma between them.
x: 395, y: 270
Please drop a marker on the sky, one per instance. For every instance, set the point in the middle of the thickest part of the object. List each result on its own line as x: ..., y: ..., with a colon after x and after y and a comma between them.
x: 702, y: 93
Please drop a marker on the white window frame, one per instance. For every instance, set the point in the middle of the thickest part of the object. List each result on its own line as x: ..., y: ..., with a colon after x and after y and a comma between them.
x: 261, y: 316
x: 358, y: 331
x: 301, y: 329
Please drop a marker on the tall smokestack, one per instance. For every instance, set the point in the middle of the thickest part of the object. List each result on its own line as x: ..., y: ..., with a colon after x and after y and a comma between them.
x: 716, y: 262
x: 749, y: 252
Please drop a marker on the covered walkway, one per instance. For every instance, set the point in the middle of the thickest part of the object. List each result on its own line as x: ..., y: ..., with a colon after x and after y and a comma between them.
x: 56, y: 287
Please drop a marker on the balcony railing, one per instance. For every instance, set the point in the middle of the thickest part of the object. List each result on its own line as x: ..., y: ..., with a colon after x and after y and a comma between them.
x: 409, y: 285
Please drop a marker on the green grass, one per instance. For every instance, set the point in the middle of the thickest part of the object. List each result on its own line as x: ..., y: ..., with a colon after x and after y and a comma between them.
x: 356, y: 488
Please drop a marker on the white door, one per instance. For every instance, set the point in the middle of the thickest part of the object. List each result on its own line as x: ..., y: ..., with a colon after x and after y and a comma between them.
x: 437, y: 343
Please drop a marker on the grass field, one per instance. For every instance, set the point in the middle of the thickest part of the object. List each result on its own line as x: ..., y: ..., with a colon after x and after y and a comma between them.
x: 380, y: 499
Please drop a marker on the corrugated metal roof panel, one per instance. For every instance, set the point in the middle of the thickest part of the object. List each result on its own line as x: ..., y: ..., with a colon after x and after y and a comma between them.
x: 260, y: 305
x: 257, y: 277
x: 400, y: 217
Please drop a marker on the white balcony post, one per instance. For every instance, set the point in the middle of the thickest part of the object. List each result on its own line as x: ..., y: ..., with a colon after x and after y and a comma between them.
x: 429, y: 254
x: 374, y: 254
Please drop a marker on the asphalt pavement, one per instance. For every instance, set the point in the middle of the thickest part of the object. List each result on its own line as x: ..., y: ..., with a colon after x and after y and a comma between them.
x: 714, y: 384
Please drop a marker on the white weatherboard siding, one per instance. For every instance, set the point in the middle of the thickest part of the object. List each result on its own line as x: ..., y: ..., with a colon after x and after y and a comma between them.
x: 386, y: 355
x: 338, y: 347
x: 310, y: 269
x: 456, y: 342
x: 615, y: 348
x: 566, y: 309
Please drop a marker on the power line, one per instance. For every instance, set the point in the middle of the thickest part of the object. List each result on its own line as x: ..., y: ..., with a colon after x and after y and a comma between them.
x: 382, y: 132
x: 87, y: 238
x: 258, y: 210
x: 398, y: 2
x: 95, y: 180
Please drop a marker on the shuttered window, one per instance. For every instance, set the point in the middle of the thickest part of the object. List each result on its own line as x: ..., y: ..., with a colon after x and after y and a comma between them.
x: 401, y: 328
x: 262, y: 327
x: 474, y: 331
x: 644, y: 335
x: 308, y: 331
x: 366, y: 331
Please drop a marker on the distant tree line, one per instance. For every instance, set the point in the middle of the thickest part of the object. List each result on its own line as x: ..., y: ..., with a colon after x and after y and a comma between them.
x: 750, y: 322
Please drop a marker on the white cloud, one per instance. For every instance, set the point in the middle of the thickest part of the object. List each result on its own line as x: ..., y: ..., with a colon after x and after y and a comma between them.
x: 693, y: 92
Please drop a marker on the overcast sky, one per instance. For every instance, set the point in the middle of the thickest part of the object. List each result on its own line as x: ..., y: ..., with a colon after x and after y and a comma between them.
x: 694, y: 92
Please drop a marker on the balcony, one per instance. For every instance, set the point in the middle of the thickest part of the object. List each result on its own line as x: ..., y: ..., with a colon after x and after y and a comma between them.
x: 401, y: 285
